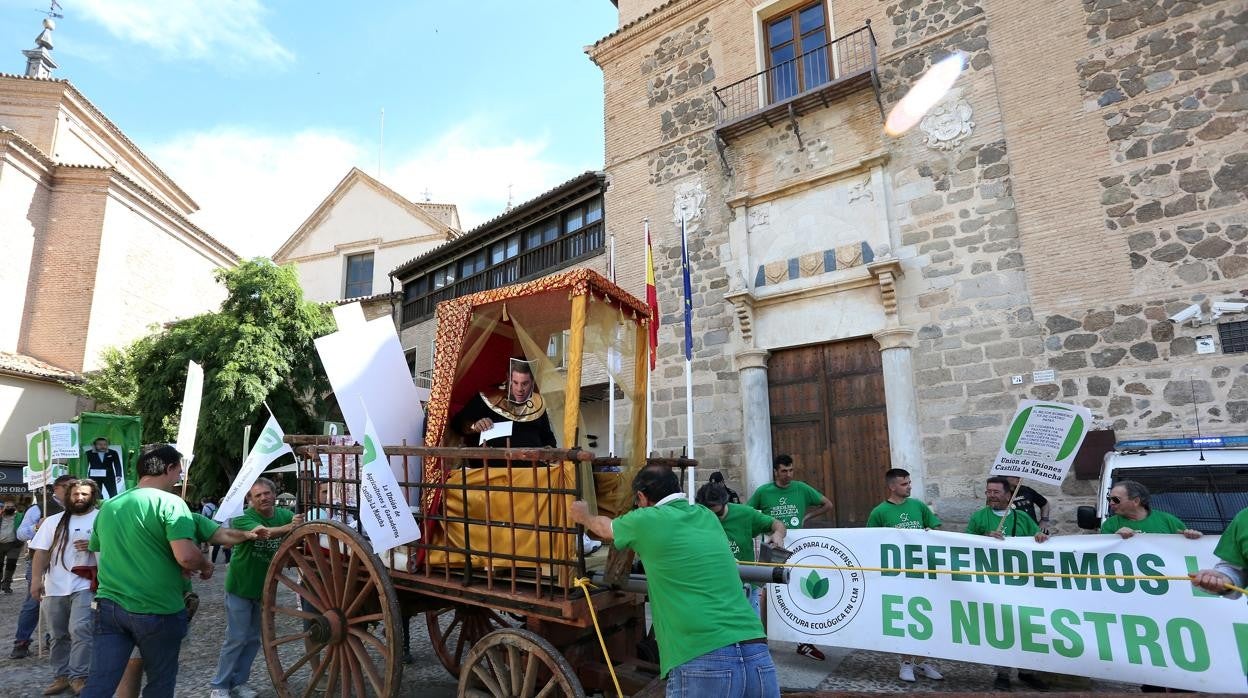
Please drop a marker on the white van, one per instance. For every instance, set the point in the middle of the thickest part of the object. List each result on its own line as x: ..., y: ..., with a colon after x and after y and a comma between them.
x: 1203, y: 481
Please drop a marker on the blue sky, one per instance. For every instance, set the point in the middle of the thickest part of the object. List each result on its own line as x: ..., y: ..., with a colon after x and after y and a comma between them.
x: 258, y: 108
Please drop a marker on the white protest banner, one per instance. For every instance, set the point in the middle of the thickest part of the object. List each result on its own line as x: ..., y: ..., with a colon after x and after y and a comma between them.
x: 387, y: 519
x: 188, y: 424
x: 1151, y: 631
x: 64, y: 440
x: 267, y: 449
x: 38, y: 458
x: 365, y: 365
x: 1042, y: 441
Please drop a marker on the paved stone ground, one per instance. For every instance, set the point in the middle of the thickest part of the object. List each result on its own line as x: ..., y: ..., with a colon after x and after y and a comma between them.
x: 843, y: 671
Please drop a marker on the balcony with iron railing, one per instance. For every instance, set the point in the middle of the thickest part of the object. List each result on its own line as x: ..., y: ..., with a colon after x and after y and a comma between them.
x: 810, y: 81
x: 529, y: 264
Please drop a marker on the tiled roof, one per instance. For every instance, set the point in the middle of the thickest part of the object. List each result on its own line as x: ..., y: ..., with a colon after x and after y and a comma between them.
x: 23, y: 365
x: 515, y: 212
x: 635, y: 22
x: 366, y: 299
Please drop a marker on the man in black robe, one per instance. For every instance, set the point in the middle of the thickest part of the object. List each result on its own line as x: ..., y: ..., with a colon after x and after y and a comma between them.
x: 517, y: 402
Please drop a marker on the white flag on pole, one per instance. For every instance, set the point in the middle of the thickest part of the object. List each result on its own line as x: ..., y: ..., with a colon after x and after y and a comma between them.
x: 189, y: 422
x: 387, y: 519
x: 269, y: 447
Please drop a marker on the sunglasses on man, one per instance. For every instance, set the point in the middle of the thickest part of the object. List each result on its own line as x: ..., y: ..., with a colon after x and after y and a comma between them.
x: 1113, y: 500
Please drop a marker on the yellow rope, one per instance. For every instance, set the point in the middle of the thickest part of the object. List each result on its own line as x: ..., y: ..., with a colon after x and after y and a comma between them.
x: 988, y: 573
x: 584, y: 584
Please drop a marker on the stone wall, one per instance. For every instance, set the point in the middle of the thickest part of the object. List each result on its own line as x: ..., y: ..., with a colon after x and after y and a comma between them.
x: 914, y: 20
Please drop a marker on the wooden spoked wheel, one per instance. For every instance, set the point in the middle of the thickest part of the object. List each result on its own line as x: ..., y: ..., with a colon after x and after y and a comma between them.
x: 517, y: 663
x: 331, y: 624
x: 454, y: 630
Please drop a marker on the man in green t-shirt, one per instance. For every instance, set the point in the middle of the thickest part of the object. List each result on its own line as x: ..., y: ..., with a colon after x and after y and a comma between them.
x: 900, y: 511
x: 999, y: 520
x: 791, y: 502
x: 146, y: 540
x: 741, y: 524
x: 1128, y: 501
x: 244, y: 584
x: 708, y: 636
x: 1232, y: 568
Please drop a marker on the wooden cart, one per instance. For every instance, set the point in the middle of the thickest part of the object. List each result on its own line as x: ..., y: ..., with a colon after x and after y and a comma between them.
x: 495, y: 572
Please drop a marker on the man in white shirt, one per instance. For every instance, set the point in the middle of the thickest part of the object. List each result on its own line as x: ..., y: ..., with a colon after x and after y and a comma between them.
x: 61, y: 582
x: 28, y: 617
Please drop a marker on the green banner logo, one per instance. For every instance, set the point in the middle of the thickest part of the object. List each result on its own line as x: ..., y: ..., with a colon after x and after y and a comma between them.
x: 370, y: 450
x: 814, y: 586
x: 269, y: 441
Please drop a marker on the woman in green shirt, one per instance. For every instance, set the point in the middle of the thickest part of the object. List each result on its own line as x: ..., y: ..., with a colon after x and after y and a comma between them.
x: 1128, y: 500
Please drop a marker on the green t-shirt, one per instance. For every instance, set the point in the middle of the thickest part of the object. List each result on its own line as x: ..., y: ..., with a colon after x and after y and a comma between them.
x: 695, y: 588
x: 1016, y: 523
x: 137, y: 569
x: 911, y: 513
x: 1233, y: 546
x: 205, y: 528
x: 741, y: 524
x: 1155, y: 522
x: 251, y: 559
x: 788, y: 504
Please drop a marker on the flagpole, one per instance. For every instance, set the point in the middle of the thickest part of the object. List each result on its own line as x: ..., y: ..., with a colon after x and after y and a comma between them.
x: 684, y: 254
x: 611, y: 373
x: 650, y: 373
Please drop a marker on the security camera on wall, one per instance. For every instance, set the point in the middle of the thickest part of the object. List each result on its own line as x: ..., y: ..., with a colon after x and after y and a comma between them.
x: 1221, y: 308
x: 1191, y: 312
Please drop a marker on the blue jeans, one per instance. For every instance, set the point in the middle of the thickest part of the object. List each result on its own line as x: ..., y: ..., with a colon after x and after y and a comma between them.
x: 242, y: 642
x: 736, y: 671
x: 117, y: 632
x: 28, y: 617
x: 751, y: 593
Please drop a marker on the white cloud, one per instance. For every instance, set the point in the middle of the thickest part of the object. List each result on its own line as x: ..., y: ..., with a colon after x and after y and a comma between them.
x: 218, y: 31
x: 254, y: 188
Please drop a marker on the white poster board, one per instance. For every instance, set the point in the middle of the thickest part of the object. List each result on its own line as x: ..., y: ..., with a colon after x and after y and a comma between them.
x: 188, y: 423
x: 64, y: 438
x: 1042, y: 441
x: 366, y: 366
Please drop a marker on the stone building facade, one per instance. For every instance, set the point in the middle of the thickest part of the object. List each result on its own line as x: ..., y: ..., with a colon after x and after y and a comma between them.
x: 866, y: 301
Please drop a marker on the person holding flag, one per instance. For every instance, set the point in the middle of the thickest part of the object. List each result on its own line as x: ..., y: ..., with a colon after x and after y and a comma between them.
x: 268, y: 448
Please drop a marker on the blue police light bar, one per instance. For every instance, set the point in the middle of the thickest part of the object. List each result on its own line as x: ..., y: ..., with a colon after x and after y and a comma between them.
x: 1170, y: 444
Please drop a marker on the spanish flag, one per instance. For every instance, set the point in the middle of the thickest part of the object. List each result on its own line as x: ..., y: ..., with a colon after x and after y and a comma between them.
x: 652, y: 300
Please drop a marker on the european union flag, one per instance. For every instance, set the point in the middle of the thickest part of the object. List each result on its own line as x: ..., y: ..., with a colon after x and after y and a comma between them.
x: 684, y: 268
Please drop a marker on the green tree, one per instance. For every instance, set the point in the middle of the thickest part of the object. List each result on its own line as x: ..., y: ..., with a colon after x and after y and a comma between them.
x: 257, y: 348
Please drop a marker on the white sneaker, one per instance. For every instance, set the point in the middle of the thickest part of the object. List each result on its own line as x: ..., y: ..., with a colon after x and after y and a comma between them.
x: 246, y: 691
x: 906, y: 673
x: 219, y: 693
x: 926, y: 668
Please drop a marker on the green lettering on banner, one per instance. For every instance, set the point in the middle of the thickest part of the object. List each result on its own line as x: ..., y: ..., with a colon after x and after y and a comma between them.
x: 1119, y: 564
x: 1100, y: 623
x: 921, y: 629
x: 999, y: 636
x: 1199, y: 659
x: 891, y: 615
x: 914, y: 560
x: 1080, y: 563
x: 935, y: 559
x: 1042, y: 562
x: 987, y: 560
x: 1063, y: 619
x: 959, y: 559
x: 964, y: 617
x: 1028, y: 629
x: 1141, y: 633
x: 1013, y: 560
x: 1241, y: 644
x: 890, y: 557
x: 1192, y: 568
x: 1152, y: 564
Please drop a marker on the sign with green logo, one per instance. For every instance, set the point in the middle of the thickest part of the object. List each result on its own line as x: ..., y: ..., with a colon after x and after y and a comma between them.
x: 269, y: 447
x: 1042, y: 441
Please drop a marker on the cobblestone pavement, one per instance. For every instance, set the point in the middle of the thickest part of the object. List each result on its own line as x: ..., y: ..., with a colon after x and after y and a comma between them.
x: 844, y: 671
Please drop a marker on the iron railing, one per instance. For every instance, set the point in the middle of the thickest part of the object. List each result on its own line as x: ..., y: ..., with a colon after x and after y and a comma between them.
x: 844, y: 57
x: 529, y: 264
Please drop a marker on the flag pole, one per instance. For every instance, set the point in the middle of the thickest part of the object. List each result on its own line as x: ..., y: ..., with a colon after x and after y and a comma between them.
x: 611, y: 372
x: 684, y: 258
x: 650, y: 373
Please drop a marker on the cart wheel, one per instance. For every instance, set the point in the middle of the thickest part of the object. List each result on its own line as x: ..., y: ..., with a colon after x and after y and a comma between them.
x: 331, y: 619
x: 517, y: 663
x: 455, y: 630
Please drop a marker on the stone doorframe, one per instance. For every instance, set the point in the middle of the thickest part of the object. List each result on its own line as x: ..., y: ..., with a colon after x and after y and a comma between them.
x: 896, y: 342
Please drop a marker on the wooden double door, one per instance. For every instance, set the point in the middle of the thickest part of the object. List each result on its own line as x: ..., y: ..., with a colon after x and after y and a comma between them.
x: 828, y: 412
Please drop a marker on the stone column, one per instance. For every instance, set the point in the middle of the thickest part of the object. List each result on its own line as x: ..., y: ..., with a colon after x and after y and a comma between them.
x: 756, y: 414
x: 896, y: 344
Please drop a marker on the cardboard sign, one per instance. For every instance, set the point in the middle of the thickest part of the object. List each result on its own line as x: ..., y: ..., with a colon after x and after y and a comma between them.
x: 1042, y: 441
